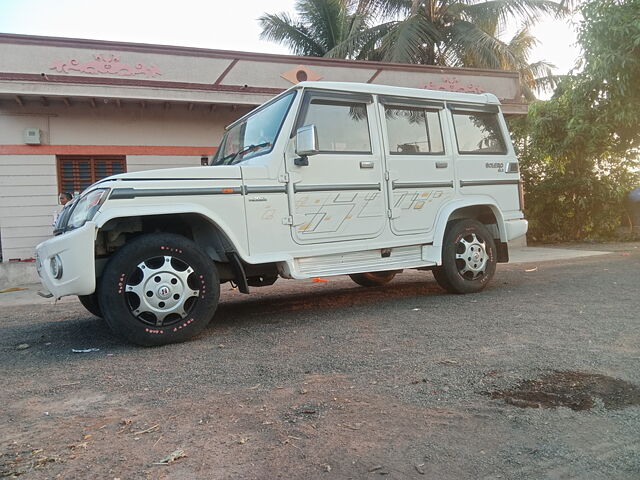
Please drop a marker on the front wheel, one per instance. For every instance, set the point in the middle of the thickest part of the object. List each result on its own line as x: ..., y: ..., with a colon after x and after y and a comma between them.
x: 90, y: 302
x: 159, y: 288
x: 373, y: 279
x: 468, y: 257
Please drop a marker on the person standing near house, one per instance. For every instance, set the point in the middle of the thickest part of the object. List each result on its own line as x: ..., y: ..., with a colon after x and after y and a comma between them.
x: 63, y: 199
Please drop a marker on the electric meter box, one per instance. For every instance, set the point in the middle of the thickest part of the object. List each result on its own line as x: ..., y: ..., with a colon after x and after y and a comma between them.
x: 32, y: 136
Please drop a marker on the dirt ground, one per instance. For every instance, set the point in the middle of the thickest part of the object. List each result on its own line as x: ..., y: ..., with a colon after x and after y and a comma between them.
x: 537, y: 377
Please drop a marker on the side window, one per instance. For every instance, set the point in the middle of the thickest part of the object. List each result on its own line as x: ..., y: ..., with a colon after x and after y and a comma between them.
x: 478, y: 132
x: 342, y: 126
x: 413, y: 130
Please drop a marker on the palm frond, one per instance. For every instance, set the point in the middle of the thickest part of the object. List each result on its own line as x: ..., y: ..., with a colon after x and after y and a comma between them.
x: 280, y: 28
x: 522, y: 43
x: 361, y: 44
x: 392, y: 9
x: 477, y: 48
x: 538, y: 77
x: 323, y: 27
x: 323, y: 17
x: 542, y: 69
x: 548, y: 83
x: 502, y: 11
x: 409, y: 40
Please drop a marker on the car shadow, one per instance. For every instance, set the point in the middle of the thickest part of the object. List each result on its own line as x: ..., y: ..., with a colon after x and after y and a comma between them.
x: 78, y: 329
x: 276, y: 306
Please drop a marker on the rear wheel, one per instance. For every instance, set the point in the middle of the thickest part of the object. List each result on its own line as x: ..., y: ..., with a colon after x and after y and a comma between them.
x: 90, y: 302
x: 373, y: 279
x: 468, y: 257
x: 158, y: 289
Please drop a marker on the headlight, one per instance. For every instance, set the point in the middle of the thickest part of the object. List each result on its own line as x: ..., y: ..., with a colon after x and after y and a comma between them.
x: 86, y: 207
x: 56, y: 267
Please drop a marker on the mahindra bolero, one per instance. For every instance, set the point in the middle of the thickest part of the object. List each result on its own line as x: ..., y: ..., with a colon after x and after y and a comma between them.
x: 325, y: 179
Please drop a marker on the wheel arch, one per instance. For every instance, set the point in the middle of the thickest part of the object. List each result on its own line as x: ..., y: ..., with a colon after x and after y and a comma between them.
x: 482, y: 209
x: 212, y: 235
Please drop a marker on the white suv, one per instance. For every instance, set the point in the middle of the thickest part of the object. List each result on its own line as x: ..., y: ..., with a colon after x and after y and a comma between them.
x: 325, y: 179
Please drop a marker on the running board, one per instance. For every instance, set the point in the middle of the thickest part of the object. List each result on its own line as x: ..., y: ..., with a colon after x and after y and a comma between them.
x: 379, y: 259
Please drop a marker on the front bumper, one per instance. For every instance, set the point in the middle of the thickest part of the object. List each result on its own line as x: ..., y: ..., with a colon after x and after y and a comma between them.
x: 74, y: 251
x: 516, y: 228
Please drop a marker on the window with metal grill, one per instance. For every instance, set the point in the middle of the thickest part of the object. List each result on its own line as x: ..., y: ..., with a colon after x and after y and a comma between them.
x: 75, y: 173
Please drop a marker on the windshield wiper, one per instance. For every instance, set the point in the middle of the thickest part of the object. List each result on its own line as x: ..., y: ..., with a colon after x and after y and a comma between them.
x: 222, y: 160
x: 232, y: 156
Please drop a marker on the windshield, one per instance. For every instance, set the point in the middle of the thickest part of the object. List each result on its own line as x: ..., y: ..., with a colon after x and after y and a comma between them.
x: 255, y: 135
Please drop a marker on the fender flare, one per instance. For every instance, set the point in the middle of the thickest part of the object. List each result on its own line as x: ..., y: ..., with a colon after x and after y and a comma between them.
x: 175, y: 209
x: 471, y: 201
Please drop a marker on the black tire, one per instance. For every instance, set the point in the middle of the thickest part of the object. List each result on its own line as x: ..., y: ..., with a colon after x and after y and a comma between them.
x: 90, y: 302
x: 441, y: 278
x: 473, y: 271
x: 159, y: 288
x: 373, y: 279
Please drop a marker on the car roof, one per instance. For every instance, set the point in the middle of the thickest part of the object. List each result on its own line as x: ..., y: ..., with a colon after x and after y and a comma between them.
x: 419, y: 93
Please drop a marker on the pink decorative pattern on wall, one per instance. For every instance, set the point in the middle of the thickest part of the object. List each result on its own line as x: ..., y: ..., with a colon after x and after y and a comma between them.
x: 109, y: 64
x: 453, y: 85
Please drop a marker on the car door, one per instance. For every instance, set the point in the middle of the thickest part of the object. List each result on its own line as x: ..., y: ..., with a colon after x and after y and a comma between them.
x: 419, y: 162
x: 337, y: 194
x: 485, y: 161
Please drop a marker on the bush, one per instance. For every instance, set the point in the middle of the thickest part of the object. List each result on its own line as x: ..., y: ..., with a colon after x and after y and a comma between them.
x: 578, y: 151
x: 570, y: 195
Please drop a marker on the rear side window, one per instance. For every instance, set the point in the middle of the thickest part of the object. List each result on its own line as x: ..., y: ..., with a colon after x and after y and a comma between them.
x: 478, y: 133
x: 342, y: 126
x: 413, y: 131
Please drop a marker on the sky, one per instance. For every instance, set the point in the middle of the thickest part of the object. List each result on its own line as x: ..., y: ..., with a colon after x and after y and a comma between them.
x: 204, y: 23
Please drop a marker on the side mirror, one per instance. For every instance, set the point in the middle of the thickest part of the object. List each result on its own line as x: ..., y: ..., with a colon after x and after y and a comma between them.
x: 306, y: 144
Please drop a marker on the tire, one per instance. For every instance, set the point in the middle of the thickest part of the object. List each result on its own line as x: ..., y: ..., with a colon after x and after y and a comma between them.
x: 90, y: 302
x: 159, y: 288
x: 468, y: 257
x: 441, y: 278
x: 373, y: 279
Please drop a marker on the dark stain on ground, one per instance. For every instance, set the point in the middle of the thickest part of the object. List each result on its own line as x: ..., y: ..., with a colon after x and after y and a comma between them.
x: 575, y: 390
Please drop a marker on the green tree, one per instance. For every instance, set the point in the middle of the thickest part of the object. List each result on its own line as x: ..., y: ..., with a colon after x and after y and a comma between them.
x: 434, y: 32
x: 610, y: 38
x: 324, y: 28
x: 458, y: 32
x: 579, y: 150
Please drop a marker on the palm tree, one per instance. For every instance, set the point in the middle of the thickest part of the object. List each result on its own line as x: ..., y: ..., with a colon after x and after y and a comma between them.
x: 534, y: 77
x: 514, y: 55
x: 432, y: 32
x: 324, y: 28
x: 456, y: 32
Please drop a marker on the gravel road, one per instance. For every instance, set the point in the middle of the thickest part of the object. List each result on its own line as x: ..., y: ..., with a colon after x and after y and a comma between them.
x: 537, y: 377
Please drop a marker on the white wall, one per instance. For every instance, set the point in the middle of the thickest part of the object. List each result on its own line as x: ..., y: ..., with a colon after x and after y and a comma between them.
x: 28, y: 199
x: 108, y: 124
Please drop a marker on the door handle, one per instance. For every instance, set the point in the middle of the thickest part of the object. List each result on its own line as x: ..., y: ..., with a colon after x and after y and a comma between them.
x: 364, y: 164
x: 442, y: 164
